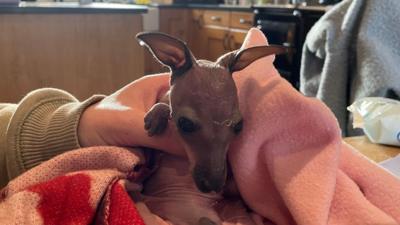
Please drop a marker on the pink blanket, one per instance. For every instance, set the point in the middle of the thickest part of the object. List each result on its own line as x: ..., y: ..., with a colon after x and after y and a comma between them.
x: 290, y: 165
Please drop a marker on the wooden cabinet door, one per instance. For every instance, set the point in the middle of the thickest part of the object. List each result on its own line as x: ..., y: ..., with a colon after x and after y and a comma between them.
x: 215, y: 42
x: 215, y: 33
x: 210, y: 31
x: 83, y: 54
x: 241, y: 20
x: 216, y: 18
x: 236, y: 38
x: 197, y: 35
x: 175, y: 22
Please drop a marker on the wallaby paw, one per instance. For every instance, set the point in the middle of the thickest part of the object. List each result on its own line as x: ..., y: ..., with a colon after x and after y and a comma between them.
x: 206, y: 221
x: 156, y: 119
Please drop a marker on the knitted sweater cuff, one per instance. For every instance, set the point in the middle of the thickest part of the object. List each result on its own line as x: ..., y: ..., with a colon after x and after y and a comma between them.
x: 44, y: 125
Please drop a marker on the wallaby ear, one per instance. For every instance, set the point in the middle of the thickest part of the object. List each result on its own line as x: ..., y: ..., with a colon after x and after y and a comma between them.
x: 170, y: 51
x: 239, y: 59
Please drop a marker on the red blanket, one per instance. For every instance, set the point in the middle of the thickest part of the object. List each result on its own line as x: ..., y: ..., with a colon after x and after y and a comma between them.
x: 86, y: 186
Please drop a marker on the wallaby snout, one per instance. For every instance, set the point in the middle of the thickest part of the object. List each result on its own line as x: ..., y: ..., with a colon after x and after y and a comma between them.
x: 210, y: 179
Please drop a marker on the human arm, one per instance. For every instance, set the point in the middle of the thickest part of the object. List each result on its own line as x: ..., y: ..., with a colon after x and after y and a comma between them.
x: 48, y: 122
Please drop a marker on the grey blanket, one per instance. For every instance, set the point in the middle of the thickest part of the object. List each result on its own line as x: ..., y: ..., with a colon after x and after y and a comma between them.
x: 353, y: 52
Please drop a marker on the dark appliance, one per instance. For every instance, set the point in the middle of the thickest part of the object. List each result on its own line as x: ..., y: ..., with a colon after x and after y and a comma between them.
x: 329, y: 2
x: 288, y: 27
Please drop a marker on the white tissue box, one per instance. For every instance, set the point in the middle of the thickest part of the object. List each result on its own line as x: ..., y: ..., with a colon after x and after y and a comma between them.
x: 379, y: 118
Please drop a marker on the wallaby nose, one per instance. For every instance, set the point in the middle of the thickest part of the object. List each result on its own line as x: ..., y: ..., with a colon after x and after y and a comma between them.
x: 209, y: 180
x: 205, y: 186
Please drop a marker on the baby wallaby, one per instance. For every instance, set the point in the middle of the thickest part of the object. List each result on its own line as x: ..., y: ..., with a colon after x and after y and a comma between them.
x: 203, y: 104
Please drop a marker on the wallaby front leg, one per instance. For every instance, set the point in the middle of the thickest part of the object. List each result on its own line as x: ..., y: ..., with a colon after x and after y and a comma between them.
x: 156, y: 119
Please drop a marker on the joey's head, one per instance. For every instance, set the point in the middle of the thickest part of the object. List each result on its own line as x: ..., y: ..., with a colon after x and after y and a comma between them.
x: 204, y: 103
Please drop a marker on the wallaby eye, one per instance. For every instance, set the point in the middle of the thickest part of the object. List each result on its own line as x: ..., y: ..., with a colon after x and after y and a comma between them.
x: 185, y: 125
x: 238, y: 127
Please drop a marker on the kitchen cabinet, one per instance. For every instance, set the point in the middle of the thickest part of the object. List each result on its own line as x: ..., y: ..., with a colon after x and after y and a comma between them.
x: 241, y: 20
x: 236, y: 38
x: 175, y: 22
x: 216, y: 18
x: 83, y: 53
x: 208, y: 33
x: 240, y: 23
x: 214, y: 43
x: 219, y: 32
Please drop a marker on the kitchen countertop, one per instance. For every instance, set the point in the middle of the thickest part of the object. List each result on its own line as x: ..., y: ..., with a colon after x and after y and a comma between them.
x: 75, y: 7
x: 72, y: 7
x: 320, y: 8
x: 206, y: 6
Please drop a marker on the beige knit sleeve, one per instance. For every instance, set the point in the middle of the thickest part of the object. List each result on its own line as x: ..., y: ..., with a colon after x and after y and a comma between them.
x: 43, y: 126
x: 6, y: 111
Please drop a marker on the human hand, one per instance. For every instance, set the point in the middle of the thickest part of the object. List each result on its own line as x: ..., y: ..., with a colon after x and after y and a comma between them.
x: 118, y: 119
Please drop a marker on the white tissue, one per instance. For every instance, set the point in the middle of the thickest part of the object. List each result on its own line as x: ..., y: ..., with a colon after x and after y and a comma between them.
x: 379, y: 118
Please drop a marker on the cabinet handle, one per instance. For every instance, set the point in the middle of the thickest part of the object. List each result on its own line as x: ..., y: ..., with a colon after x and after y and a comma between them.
x: 244, y: 21
x: 216, y: 18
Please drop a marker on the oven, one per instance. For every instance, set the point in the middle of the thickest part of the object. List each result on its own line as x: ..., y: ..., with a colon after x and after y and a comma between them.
x: 287, y: 27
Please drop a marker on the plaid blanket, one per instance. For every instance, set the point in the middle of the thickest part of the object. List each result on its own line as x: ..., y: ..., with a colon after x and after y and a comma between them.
x: 85, y: 186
